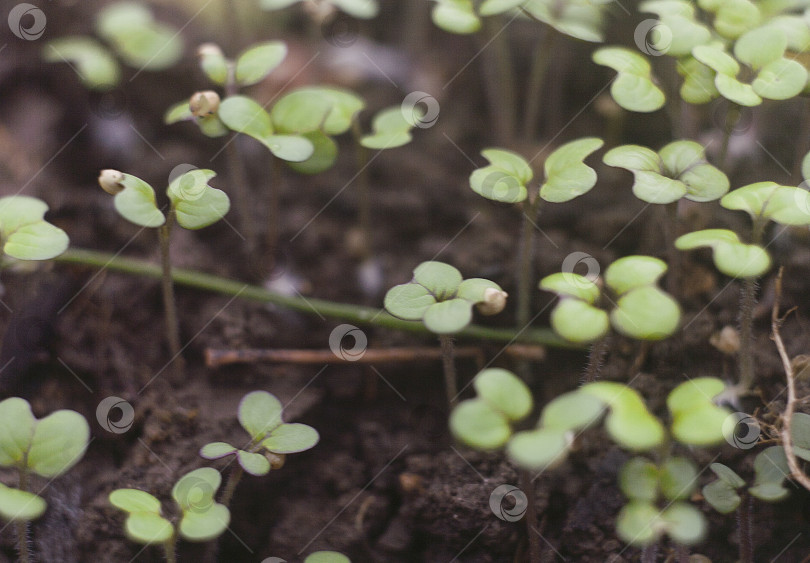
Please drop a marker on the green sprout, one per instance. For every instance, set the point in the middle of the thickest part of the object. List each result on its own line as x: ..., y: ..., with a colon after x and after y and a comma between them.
x: 440, y: 298
x: 202, y: 518
x: 25, y: 234
x: 135, y: 36
x: 326, y: 557
x: 506, y: 180
x: 642, y: 311
x: 361, y: 9
x: 271, y: 439
x: 634, y: 88
x: 193, y: 204
x: 48, y: 447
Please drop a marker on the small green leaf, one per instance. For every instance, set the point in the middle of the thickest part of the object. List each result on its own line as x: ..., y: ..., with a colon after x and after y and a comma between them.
x: 576, y: 18
x: 800, y: 434
x: 136, y: 203
x: 632, y: 272
x: 721, y: 496
x: 504, y: 392
x: 504, y: 179
x: 633, y: 89
x: 685, y: 524
x: 577, y: 321
x: 59, y: 442
x: 140, y: 41
x: 786, y: 205
x: 770, y: 471
x: 213, y: 63
x: 323, y: 157
x: 134, y: 500
x: 96, y: 67
x: 781, y: 79
x: 256, y: 62
x: 409, y: 301
x: 572, y: 411
x: 638, y: 479
x: 629, y: 422
x: 678, y: 478
x: 456, y: 16
x: 441, y: 279
x: 760, y: 46
x: 148, y: 528
x: 646, y: 313
x: 326, y: 557
x: 194, y: 491
x: 329, y: 110
x: 17, y: 424
x: 217, y: 450
x: 253, y: 463
x: 571, y: 285
x: 259, y: 413
x: 20, y: 506
x: 361, y: 9
x: 475, y: 289
x: 178, y: 112
x: 276, y: 4
x: 727, y: 475
x: 291, y: 438
x: 195, y: 203
x: 537, y: 450
x: 244, y: 115
x: 391, y: 129
x: 292, y: 148
x: 638, y: 523
x: 733, y: 17
x: 204, y: 526
x: 24, y: 233
x: 448, y: 317
x: 698, y: 81
x: 475, y: 423
x: 567, y: 177
x: 494, y: 7
x: 696, y: 420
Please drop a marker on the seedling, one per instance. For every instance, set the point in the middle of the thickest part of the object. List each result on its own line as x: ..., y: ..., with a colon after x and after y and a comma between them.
x: 48, y: 447
x: 634, y: 88
x: 201, y: 518
x: 505, y: 179
x: 193, y: 204
x: 770, y: 471
x: 136, y: 38
x: 25, y: 234
x: 271, y: 439
x: 326, y: 557
x: 440, y: 298
x: 361, y: 9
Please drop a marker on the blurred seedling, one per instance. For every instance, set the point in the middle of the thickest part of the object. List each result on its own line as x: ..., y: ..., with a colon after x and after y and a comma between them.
x: 443, y: 300
x: 641, y: 309
x: 506, y: 180
x: 323, y: 12
x: 135, y: 38
x: 24, y: 232
x: 200, y: 517
x: 326, y: 557
x: 193, y: 204
x: 271, y: 440
x: 764, y: 202
x: 47, y: 447
x: 678, y: 171
x: 770, y: 471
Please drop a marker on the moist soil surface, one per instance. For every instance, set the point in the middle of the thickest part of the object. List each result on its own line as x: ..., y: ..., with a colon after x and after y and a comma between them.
x: 386, y: 482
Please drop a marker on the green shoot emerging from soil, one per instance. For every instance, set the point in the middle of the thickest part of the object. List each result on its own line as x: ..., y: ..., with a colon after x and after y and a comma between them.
x: 202, y: 518
x: 271, y: 439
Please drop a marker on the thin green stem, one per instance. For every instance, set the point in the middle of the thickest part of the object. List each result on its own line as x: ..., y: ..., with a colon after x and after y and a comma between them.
x: 525, y: 269
x: 169, y: 548
x: 169, y: 304
x: 343, y: 311
x: 541, y: 59
x: 748, y: 301
x: 732, y: 116
x: 364, y: 193
x: 23, y: 526
x: 449, y: 365
x: 230, y: 487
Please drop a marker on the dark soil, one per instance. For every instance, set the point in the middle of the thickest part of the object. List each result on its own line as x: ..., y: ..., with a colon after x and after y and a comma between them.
x: 386, y: 482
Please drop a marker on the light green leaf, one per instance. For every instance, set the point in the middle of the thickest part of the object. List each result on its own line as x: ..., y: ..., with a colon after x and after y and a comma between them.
x: 316, y: 108
x: 632, y: 272
x: 638, y: 479
x: 731, y: 256
x: 770, y: 471
x: 326, y: 557
x: 96, y: 67
x: 178, y: 112
x: 139, y: 40
x: 259, y: 413
x: 212, y: 126
x: 195, y: 203
x: 478, y: 425
x: 567, y: 177
x: 696, y: 420
x: 571, y: 285
x: 292, y: 148
x: 256, y: 62
x: 324, y: 154
x: 629, y: 422
x: 441, y: 279
x: 59, y: 442
x: 760, y: 46
x: 253, y: 463
x: 391, y: 130
x: 685, y: 524
x: 504, y: 392
x: 276, y: 4
x: 638, y: 523
x: 727, y: 475
x: 217, y: 450
x: 134, y: 500
x: 291, y: 439
x: 781, y: 79
x: 194, y: 491
x: 721, y: 496
x: 698, y: 81
x: 634, y: 157
x: 717, y: 59
x: 456, y: 16
x: 361, y: 9
x: 678, y: 478
x: 572, y: 411
x: 24, y: 233
x: 409, y: 301
x: 504, y: 179
x: 17, y: 424
x: 213, y: 63
x: 494, y: 7
x: 148, y: 528
x: 576, y: 18
x: 206, y: 525
x: 800, y: 434
x: 448, y: 317
x: 244, y: 115
x: 646, y: 313
x: 537, y: 450
x: 736, y: 91
x: 577, y: 321
x: 734, y: 17
x: 633, y: 89
x: 795, y: 29
x: 786, y: 205
x: 20, y: 506
x: 136, y: 203
x: 475, y: 289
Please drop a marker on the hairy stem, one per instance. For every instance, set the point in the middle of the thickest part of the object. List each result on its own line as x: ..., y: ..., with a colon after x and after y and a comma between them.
x: 744, y: 529
x: 748, y: 300
x: 541, y: 58
x: 23, y: 526
x: 449, y: 364
x: 169, y: 550
x: 596, y: 358
x: 527, y: 486
x: 650, y: 553
x: 343, y: 311
x: 230, y: 487
x: 169, y: 305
